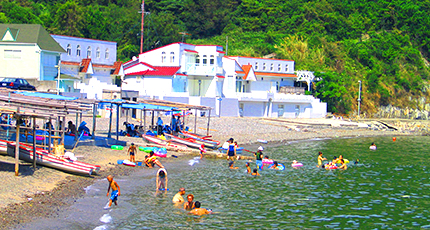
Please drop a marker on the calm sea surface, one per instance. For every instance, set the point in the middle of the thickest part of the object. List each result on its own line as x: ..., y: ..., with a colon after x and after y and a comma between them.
x: 388, y: 189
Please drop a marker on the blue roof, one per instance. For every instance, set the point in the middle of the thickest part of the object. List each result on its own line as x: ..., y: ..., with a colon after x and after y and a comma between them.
x: 145, y: 106
x: 45, y: 95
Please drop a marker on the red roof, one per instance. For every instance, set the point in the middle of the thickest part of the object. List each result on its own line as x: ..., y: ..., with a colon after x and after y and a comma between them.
x: 259, y: 58
x: 191, y: 51
x: 85, y: 63
x: 117, y: 67
x: 70, y: 63
x: 159, y: 71
x: 246, y: 69
x: 268, y: 74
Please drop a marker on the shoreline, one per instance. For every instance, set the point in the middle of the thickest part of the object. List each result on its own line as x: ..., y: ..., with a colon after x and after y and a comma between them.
x: 67, y: 188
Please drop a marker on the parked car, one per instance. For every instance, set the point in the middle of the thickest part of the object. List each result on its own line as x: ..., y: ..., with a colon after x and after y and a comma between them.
x: 17, y: 83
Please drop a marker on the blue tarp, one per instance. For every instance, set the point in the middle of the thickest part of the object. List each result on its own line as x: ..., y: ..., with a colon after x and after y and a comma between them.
x: 145, y: 106
x: 46, y: 95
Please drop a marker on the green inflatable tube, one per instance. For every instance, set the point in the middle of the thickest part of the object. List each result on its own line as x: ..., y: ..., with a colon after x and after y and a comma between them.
x: 117, y: 147
x: 147, y: 149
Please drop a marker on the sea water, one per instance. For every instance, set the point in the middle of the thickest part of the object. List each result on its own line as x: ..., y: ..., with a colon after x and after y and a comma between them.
x: 387, y: 189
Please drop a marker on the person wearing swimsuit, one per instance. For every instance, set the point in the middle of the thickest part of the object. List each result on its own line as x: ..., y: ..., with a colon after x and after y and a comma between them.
x: 132, y: 151
x: 189, y: 205
x: 231, y: 151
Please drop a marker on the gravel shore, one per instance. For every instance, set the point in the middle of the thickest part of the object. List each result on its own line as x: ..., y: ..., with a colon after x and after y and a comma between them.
x: 44, y: 191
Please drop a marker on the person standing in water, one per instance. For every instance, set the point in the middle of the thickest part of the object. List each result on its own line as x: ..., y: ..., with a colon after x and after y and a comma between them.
x: 320, y: 159
x: 161, y: 180
x: 231, y: 151
x: 116, y: 191
x: 259, y: 157
x: 132, y: 151
x: 189, y: 205
x: 202, y: 150
x: 178, y: 197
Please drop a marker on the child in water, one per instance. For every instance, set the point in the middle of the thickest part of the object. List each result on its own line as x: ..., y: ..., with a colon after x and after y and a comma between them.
x: 116, y: 191
x: 231, y: 165
x: 248, y: 169
x: 255, y: 173
x: 343, y: 165
x: 320, y: 159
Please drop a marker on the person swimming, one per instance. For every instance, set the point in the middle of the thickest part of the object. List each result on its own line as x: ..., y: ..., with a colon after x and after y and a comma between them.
x: 255, y: 172
x: 199, y: 211
x: 231, y: 165
x: 189, y: 205
x: 248, y: 169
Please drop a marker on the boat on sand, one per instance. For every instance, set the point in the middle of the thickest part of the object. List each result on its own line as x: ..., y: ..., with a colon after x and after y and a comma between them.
x: 63, y: 163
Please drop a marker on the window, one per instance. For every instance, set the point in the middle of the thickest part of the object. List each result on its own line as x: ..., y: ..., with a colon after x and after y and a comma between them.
x: 163, y: 57
x: 212, y: 60
x: 197, y: 60
x: 286, y: 68
x: 78, y: 51
x: 271, y: 67
x: 69, y: 50
x: 205, y: 60
x: 256, y: 66
x: 89, y: 52
x: 279, y: 67
x: 172, y: 57
x: 98, y: 52
x: 264, y: 66
x: 107, y: 54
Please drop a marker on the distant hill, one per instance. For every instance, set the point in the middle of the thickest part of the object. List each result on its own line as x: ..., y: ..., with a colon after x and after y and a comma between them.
x: 385, y: 44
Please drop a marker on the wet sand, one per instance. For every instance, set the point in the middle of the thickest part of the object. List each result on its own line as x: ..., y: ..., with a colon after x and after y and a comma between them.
x: 44, y: 192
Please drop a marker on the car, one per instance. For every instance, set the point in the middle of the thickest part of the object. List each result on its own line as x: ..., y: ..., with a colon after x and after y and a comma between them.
x: 17, y: 83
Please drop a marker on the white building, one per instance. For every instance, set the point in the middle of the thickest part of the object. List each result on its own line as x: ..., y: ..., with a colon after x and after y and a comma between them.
x: 234, y: 86
x: 88, y: 66
x: 28, y: 51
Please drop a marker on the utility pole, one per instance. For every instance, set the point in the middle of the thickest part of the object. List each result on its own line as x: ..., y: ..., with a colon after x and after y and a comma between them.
x: 141, y: 28
x: 359, y: 98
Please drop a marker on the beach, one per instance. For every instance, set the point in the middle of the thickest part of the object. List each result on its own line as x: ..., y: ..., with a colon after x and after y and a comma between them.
x: 44, y: 192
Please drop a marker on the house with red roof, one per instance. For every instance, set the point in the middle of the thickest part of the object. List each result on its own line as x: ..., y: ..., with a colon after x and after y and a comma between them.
x: 232, y: 85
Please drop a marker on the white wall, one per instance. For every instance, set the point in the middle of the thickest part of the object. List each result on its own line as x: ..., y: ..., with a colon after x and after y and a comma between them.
x: 24, y: 64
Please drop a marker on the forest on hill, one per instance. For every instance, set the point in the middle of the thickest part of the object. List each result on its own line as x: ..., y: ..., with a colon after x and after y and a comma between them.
x: 384, y: 44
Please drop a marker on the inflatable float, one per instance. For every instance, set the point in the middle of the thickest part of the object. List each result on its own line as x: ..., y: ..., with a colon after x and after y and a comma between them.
x: 267, y: 162
x: 279, y: 167
x: 117, y: 147
x: 129, y: 163
x: 296, y: 165
x: 344, y: 160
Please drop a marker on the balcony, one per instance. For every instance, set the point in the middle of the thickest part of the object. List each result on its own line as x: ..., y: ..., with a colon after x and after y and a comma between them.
x: 275, y: 97
x: 193, y: 69
x: 292, y: 90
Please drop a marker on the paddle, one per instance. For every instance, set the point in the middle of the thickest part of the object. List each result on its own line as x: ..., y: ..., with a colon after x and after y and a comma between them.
x: 248, y: 151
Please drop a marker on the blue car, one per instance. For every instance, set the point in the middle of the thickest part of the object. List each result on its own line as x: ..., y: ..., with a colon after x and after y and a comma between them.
x: 17, y: 83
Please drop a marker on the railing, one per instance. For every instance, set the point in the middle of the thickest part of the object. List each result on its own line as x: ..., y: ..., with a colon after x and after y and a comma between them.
x: 201, y: 70
x: 276, y: 97
x: 291, y: 90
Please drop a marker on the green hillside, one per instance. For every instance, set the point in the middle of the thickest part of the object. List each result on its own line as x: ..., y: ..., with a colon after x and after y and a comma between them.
x: 385, y: 44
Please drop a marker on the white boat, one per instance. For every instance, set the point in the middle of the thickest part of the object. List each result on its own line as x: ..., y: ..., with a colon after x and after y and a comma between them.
x: 51, y: 160
x: 190, y: 142
x: 158, y: 141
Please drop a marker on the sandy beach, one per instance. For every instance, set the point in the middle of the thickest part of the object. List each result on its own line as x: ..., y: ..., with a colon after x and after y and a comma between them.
x: 45, y: 191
